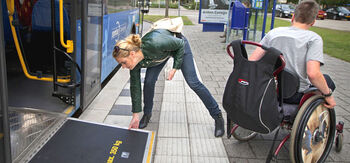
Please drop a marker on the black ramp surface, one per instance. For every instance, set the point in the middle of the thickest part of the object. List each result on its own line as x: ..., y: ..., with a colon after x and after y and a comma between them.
x: 82, y: 142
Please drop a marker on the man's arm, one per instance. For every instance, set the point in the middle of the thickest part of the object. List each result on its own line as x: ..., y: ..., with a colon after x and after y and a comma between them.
x: 317, y: 79
x: 257, y: 54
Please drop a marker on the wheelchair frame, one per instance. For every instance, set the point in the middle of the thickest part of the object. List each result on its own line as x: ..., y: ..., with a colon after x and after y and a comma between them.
x: 312, y: 101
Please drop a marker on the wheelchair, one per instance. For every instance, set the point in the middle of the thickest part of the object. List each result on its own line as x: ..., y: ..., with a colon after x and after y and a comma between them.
x: 312, y: 127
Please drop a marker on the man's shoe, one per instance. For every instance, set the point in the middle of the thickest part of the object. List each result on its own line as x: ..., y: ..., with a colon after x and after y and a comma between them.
x: 144, y: 120
x: 219, y: 125
x: 223, y: 36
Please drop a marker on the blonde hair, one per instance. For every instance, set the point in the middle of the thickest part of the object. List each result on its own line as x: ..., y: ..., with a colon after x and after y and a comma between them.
x: 130, y: 43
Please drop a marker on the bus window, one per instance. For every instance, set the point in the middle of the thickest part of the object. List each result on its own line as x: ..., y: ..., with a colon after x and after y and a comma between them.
x: 114, y: 6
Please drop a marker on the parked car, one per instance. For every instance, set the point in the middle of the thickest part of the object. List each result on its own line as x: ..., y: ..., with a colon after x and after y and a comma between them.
x: 337, y: 13
x: 321, y: 14
x: 284, y: 10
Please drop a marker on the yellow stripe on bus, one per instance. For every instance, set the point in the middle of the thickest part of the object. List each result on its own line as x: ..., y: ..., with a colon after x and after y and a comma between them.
x: 150, y: 149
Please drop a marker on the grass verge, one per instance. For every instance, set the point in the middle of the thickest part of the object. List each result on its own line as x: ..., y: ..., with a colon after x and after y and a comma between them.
x: 154, y: 18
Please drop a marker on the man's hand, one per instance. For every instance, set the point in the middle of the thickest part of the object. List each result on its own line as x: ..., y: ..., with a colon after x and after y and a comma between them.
x: 330, y: 102
x: 171, y: 74
x: 135, y: 121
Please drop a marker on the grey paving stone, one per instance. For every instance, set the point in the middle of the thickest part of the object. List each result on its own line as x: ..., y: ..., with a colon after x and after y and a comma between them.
x: 125, y: 92
x: 173, y: 117
x: 158, y: 97
x: 175, y: 87
x: 173, y: 98
x: 173, y: 147
x: 238, y: 160
x: 157, y: 106
x: 210, y: 160
x: 198, y: 107
x: 94, y: 115
x: 123, y: 100
x: 121, y: 110
x: 174, y: 106
x: 262, y: 148
x: 202, y: 131
x: 173, y: 130
x: 343, y: 155
x: 191, y: 97
x: 199, y: 118
x: 236, y: 149
x: 207, y: 147
x: 118, y: 120
x: 171, y: 159
x: 152, y: 126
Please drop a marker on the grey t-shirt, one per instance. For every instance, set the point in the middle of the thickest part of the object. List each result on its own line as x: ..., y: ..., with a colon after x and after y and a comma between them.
x: 298, y: 47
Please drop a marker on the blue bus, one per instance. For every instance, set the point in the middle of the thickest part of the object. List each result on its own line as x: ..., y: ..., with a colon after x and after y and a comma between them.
x: 58, y: 56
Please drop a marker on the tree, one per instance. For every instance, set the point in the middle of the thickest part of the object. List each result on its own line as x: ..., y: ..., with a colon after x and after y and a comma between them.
x: 166, y: 8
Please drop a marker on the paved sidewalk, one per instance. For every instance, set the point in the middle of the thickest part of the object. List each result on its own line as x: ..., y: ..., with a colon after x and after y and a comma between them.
x: 183, y: 125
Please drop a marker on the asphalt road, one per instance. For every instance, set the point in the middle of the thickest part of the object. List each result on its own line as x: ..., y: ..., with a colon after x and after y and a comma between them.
x: 342, y: 25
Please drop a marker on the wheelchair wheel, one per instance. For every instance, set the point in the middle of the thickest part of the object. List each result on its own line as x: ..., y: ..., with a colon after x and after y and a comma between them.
x: 339, y: 142
x: 243, y: 134
x: 313, y: 132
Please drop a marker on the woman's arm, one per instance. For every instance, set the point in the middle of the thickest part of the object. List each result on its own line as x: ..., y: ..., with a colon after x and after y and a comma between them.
x: 135, y: 90
x: 174, y: 45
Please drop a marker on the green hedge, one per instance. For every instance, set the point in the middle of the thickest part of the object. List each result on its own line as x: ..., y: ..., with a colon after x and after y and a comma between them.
x: 171, y: 5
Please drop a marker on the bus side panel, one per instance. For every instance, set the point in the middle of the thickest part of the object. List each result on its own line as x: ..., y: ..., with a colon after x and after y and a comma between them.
x: 116, y: 27
x: 78, y: 60
x: 6, y: 23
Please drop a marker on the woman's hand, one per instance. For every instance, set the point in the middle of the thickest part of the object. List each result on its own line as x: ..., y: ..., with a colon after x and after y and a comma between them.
x: 135, y: 121
x: 171, y: 74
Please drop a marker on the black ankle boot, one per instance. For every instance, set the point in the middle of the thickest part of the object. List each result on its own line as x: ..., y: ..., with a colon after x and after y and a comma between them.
x: 144, y: 120
x: 219, y: 125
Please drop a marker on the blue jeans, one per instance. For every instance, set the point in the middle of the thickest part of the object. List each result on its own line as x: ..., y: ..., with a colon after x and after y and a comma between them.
x: 189, y: 73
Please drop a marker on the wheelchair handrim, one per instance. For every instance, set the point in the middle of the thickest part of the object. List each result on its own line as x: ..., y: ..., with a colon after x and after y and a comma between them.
x: 299, y: 130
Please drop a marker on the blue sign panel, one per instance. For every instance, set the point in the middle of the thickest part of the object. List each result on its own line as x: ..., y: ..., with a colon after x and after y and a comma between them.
x: 257, y: 4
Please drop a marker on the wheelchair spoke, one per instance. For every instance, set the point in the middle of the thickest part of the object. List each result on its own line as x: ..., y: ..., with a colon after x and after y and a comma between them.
x: 316, y: 135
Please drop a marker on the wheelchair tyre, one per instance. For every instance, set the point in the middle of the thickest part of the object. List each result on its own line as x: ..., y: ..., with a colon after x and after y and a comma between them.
x: 243, y: 134
x: 339, y: 142
x: 313, y: 132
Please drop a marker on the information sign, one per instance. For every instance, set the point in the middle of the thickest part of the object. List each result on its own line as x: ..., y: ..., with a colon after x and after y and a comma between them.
x: 257, y: 4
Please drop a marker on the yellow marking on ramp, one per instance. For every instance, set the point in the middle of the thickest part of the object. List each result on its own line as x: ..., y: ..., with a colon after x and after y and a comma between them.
x: 150, y: 149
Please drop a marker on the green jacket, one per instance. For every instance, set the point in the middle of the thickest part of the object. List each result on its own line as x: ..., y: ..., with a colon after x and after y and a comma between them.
x: 157, y: 46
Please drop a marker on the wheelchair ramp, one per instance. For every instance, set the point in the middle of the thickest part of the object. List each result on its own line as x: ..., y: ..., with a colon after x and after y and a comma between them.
x: 81, y: 141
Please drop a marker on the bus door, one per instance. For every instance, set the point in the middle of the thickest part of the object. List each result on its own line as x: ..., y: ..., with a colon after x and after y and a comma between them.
x: 91, y: 40
x: 5, y: 151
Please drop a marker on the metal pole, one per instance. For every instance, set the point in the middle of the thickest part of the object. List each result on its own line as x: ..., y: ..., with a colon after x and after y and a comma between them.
x: 255, y: 23
x: 178, y: 9
x: 273, y: 14
x: 265, y: 17
x: 229, y: 21
x: 5, y: 145
x: 53, y: 27
x: 84, y: 15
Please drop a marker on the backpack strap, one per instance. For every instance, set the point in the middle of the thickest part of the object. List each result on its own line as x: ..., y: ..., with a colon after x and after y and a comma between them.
x: 238, y: 49
x: 271, y: 56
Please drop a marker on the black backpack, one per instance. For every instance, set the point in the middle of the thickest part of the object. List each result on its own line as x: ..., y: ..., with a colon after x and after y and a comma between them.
x: 250, y: 97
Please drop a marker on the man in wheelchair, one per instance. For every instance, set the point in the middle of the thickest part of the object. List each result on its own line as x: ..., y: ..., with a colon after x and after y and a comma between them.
x: 303, y: 52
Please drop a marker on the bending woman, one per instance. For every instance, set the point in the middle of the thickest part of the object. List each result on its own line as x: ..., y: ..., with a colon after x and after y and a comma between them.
x: 152, y: 52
